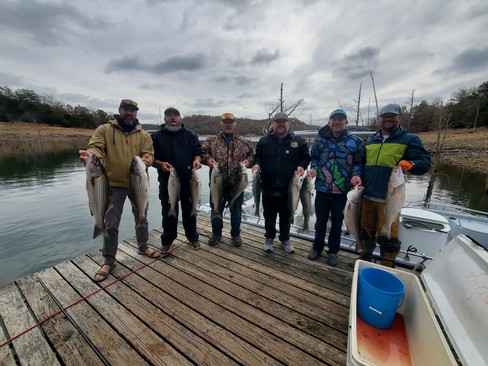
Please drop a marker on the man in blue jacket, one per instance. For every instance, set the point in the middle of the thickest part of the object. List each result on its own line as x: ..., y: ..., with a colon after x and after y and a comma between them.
x: 392, y: 147
x: 336, y: 164
x: 279, y: 155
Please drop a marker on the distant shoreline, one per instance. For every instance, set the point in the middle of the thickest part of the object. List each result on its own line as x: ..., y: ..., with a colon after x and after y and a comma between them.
x: 462, y: 148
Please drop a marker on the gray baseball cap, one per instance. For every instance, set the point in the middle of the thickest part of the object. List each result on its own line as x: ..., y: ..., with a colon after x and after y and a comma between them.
x: 391, y: 108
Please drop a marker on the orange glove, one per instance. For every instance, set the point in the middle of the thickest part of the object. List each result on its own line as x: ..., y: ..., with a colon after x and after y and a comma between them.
x: 406, y: 165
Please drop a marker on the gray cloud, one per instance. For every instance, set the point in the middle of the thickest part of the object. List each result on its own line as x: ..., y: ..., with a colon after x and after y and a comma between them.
x: 171, y: 64
x: 263, y: 56
x: 46, y: 23
x: 357, y: 65
x: 470, y: 60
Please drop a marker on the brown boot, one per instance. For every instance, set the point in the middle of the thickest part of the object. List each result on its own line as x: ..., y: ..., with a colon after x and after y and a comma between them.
x: 391, y: 261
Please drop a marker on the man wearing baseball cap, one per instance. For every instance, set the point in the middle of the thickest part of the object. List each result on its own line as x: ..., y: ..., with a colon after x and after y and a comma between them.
x: 115, y: 144
x: 227, y: 150
x: 337, y: 165
x: 279, y: 155
x: 391, y: 148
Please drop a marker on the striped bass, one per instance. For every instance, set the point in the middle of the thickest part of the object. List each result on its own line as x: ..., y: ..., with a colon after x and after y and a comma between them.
x: 174, y: 187
x: 352, y: 215
x: 294, y: 194
x: 256, y: 191
x: 306, y: 194
x: 196, y: 187
x: 97, y: 187
x: 241, y: 184
x: 139, y: 188
x: 216, y: 190
x: 395, y: 199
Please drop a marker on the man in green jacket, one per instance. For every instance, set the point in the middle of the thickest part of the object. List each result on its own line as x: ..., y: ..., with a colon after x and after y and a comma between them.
x: 391, y: 148
x: 115, y: 144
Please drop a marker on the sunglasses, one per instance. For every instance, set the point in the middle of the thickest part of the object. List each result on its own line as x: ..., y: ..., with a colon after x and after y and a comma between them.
x: 227, y: 116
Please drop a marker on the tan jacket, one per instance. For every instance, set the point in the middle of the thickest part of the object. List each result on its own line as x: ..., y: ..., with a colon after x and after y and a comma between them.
x: 116, y: 149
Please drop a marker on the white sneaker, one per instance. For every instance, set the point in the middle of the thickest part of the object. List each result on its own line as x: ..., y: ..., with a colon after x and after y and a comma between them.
x: 287, y: 246
x: 268, y: 245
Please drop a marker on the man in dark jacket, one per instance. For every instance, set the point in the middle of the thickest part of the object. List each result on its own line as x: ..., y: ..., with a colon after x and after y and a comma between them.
x: 392, y: 147
x: 178, y: 148
x: 279, y: 156
x: 336, y: 164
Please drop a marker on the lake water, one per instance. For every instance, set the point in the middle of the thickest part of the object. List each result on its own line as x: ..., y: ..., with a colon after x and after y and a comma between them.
x: 44, y: 215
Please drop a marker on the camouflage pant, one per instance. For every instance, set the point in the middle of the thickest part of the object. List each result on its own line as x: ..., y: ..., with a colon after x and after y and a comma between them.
x: 372, y: 219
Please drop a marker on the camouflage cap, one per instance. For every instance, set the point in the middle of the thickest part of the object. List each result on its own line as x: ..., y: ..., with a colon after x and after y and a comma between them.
x: 128, y: 103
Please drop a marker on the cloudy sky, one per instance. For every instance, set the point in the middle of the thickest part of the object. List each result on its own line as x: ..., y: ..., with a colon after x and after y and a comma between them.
x: 216, y: 56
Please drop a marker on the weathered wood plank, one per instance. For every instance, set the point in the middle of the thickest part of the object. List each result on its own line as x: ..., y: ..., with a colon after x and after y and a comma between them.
x: 265, y: 319
x: 115, y: 350
x: 147, y: 343
x: 31, y: 348
x: 64, y: 337
x: 261, y: 338
x: 153, y: 286
x: 179, y: 337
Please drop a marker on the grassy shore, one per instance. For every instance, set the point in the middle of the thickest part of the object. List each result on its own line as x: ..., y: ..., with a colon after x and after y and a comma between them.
x: 464, y: 148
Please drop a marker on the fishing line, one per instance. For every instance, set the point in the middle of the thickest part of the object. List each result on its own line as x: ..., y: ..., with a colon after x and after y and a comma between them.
x: 63, y: 310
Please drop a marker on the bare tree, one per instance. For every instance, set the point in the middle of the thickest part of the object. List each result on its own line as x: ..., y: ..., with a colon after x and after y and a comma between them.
x: 281, y: 107
x: 358, y: 104
x: 411, y: 109
x: 375, y: 98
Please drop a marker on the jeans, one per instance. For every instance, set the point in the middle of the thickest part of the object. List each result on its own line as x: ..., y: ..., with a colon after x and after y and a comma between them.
x: 235, y: 213
x: 325, y: 204
x: 272, y: 206
x: 112, y: 221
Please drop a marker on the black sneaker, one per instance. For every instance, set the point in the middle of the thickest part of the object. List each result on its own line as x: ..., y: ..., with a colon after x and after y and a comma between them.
x: 237, y: 240
x: 332, y: 260
x: 314, y: 254
x: 214, y: 239
x: 195, y: 244
x: 166, y: 248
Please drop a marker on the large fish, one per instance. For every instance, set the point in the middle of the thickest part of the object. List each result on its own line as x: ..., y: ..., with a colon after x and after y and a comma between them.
x: 294, y: 194
x: 139, y: 187
x: 306, y: 194
x: 241, y: 184
x: 256, y: 191
x: 174, y: 187
x: 196, y: 187
x: 352, y: 215
x: 97, y: 187
x: 395, y: 199
x: 216, y: 189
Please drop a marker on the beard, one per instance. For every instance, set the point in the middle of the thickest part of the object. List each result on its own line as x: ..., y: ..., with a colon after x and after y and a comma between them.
x: 128, y: 121
x: 173, y: 128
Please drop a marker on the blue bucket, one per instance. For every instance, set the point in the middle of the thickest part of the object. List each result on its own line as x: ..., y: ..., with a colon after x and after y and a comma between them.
x: 379, y: 295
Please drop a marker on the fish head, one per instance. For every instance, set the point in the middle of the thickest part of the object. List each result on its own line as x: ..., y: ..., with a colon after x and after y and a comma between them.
x: 137, y: 166
x: 94, y: 166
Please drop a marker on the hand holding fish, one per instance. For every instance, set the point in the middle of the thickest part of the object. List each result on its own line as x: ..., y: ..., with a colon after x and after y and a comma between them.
x: 246, y: 163
x: 255, y: 168
x: 300, y: 171
x: 356, y: 181
x: 210, y: 162
x: 406, y: 165
x: 145, y: 159
x: 163, y: 165
x: 312, y: 173
x: 197, y: 164
x: 83, y: 156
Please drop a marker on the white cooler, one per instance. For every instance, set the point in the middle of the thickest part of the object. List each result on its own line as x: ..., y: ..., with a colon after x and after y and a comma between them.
x: 456, y: 285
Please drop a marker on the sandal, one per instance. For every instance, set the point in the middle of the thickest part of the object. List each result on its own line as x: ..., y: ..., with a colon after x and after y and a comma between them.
x: 103, y: 273
x: 152, y: 254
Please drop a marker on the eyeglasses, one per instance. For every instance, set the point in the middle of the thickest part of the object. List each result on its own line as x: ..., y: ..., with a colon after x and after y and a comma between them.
x: 227, y: 116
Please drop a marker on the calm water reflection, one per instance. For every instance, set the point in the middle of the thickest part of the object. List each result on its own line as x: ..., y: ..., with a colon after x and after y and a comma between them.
x: 44, y: 217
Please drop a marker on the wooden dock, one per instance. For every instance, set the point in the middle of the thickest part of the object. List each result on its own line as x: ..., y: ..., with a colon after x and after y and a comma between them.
x: 220, y: 305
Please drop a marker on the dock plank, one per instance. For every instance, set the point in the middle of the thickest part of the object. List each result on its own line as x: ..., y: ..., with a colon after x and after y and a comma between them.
x: 31, y: 348
x: 218, y: 305
x: 64, y: 337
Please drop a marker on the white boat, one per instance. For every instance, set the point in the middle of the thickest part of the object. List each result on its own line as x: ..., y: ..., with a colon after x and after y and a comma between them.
x: 456, y: 284
x: 424, y: 232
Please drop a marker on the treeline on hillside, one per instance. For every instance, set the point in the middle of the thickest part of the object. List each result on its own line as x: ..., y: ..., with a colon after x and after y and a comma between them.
x: 210, y: 125
x: 28, y: 106
x: 467, y: 108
